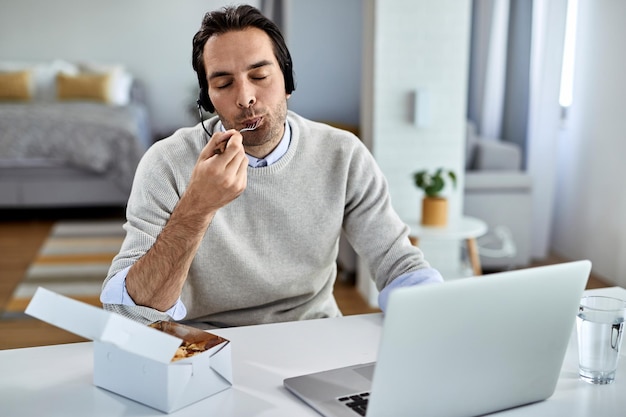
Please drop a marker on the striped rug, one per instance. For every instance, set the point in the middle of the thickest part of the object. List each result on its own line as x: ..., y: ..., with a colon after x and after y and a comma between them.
x: 73, y: 261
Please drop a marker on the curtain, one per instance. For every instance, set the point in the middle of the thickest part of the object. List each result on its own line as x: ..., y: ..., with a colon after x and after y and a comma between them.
x: 500, y: 69
x: 488, y: 65
x: 276, y: 11
x: 544, y: 121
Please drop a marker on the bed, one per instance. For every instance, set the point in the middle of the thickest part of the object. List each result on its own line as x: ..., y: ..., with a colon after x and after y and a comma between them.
x: 69, y: 146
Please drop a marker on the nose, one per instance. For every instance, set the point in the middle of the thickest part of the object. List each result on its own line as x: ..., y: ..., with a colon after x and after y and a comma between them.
x: 246, y: 96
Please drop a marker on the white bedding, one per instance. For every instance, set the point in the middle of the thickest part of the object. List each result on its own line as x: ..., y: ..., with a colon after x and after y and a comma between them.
x: 96, y: 137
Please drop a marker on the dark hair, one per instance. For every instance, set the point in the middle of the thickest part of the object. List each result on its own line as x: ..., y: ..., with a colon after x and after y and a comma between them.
x: 237, y: 18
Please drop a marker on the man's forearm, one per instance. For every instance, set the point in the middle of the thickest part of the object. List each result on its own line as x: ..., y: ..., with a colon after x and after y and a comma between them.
x: 156, y: 280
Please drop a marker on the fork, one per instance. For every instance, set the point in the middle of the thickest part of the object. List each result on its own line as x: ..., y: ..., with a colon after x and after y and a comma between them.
x: 248, y: 128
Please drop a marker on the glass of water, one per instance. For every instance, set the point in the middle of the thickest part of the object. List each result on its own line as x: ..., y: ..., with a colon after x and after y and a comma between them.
x: 600, y: 323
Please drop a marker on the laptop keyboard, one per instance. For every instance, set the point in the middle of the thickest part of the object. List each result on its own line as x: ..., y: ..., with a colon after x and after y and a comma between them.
x: 356, y: 402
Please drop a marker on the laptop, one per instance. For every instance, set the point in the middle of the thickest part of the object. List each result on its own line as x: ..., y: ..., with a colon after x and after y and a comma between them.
x: 458, y: 349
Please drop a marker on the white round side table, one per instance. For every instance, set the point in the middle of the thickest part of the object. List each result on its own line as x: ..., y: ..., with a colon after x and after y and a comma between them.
x: 464, y: 228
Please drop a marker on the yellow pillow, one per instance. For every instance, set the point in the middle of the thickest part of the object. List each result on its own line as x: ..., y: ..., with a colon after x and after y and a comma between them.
x: 93, y: 87
x: 15, y: 85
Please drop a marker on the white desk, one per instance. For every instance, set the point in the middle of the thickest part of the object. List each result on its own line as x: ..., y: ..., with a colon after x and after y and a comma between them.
x: 57, y: 380
x: 465, y: 228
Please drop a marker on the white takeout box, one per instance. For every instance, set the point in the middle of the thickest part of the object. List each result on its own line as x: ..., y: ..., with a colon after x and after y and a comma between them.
x: 134, y: 360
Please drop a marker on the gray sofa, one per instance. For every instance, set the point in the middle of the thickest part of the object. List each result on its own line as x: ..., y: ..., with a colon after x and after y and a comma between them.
x: 499, y: 192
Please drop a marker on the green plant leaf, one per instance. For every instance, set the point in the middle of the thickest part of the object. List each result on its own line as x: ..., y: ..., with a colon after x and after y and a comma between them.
x: 433, y: 184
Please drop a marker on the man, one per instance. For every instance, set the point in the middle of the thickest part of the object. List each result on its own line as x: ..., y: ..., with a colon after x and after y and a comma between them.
x: 233, y: 228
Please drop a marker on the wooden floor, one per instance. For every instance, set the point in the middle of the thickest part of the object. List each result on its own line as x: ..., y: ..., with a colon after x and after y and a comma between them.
x: 20, y: 240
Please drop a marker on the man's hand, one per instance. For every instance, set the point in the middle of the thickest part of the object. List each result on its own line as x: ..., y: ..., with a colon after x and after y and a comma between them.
x: 220, y: 173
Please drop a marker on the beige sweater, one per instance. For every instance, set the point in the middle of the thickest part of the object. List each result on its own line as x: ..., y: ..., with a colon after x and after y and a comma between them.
x: 270, y: 255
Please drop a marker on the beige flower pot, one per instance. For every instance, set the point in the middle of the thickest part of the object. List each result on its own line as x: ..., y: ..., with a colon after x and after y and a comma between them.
x: 434, y: 211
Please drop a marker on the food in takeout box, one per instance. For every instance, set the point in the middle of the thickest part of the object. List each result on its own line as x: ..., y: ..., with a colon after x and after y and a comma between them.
x: 195, y: 341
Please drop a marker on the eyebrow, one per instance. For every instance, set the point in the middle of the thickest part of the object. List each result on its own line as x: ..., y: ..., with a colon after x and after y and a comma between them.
x: 217, y: 74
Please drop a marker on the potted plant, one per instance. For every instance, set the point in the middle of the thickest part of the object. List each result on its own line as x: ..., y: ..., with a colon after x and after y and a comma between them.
x: 434, y: 205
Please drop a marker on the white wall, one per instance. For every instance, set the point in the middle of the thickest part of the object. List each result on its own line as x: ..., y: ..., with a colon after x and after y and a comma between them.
x: 411, y: 45
x: 419, y: 44
x: 590, y: 213
x: 151, y: 37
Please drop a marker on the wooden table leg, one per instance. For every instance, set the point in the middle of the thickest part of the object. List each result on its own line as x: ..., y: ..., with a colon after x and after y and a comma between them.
x: 472, y: 252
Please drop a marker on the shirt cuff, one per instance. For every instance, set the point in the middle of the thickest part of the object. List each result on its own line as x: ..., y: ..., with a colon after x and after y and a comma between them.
x: 419, y: 277
x: 114, y: 292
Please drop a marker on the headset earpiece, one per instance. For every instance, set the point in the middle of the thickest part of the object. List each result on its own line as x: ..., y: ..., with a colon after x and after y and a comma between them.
x: 290, y: 84
x: 204, y: 101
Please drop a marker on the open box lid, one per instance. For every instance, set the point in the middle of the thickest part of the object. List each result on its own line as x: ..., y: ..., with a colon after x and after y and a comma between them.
x: 97, y: 324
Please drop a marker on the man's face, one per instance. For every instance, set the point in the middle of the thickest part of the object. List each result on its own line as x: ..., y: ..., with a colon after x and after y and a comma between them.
x: 246, y: 85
